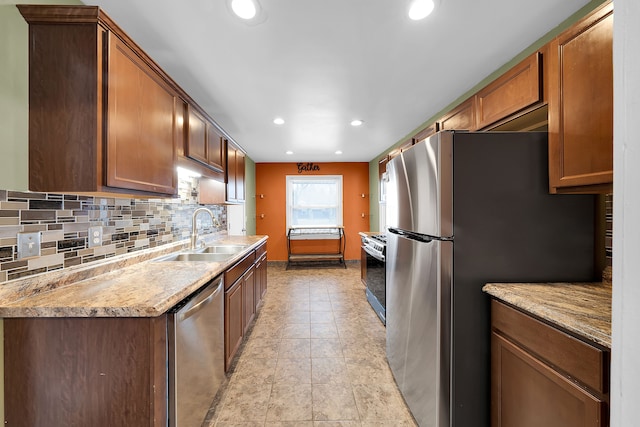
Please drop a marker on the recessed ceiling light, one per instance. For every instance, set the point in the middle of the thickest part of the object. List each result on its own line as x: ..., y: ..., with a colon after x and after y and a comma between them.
x: 245, y: 9
x: 278, y: 121
x: 289, y: 152
x: 356, y: 123
x: 420, y: 9
x: 338, y: 152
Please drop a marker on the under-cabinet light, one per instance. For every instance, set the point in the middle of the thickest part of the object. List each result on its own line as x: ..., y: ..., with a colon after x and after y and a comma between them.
x: 187, y: 173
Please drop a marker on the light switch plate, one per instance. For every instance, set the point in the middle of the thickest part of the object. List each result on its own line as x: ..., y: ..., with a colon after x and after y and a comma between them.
x: 95, y: 236
x: 28, y: 245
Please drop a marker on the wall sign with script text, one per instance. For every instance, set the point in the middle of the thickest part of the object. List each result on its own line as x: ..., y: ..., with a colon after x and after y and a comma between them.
x: 307, y: 167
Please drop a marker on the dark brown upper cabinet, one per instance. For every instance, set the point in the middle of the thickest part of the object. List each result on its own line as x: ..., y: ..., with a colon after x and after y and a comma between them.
x: 515, y: 90
x: 235, y: 173
x: 463, y: 117
x: 425, y: 133
x: 205, y: 142
x: 102, y: 114
x: 581, y: 106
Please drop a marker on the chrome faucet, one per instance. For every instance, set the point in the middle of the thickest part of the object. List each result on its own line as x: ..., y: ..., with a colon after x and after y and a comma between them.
x: 194, y: 228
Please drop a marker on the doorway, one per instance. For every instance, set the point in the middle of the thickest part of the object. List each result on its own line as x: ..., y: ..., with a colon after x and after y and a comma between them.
x: 236, y: 220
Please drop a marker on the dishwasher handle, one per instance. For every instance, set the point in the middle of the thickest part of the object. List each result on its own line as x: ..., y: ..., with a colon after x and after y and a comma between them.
x: 203, y: 299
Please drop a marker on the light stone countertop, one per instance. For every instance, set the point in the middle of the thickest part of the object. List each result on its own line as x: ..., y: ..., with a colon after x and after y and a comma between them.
x: 126, y: 286
x: 583, y: 309
x: 369, y: 233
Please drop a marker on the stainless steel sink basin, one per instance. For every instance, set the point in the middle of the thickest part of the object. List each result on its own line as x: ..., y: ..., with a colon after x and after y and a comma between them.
x: 223, y: 249
x: 197, y: 256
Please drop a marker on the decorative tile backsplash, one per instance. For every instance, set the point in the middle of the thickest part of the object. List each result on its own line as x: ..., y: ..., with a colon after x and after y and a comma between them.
x: 63, y: 221
x: 608, y: 237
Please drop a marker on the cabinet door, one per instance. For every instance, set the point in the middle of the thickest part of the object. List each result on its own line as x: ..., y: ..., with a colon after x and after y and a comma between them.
x: 515, y: 90
x: 231, y: 173
x: 581, y: 106
x: 215, y: 148
x: 197, y: 137
x: 140, y: 124
x: 248, y: 296
x: 261, y: 278
x: 460, y: 118
x: 235, y: 173
x: 86, y: 371
x: 425, y: 133
x: 233, y: 328
x: 240, y: 160
x: 363, y: 266
x: 525, y: 392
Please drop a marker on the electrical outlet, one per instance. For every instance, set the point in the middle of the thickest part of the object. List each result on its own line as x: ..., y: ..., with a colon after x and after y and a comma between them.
x: 28, y: 245
x: 95, y: 236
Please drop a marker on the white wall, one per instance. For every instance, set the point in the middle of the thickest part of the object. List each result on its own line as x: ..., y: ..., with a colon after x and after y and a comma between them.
x: 625, y: 354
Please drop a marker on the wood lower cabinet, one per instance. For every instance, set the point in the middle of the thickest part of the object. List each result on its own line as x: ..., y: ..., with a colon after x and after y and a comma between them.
x: 248, y: 298
x: 581, y: 106
x: 540, y: 376
x: 102, y: 114
x: 261, y: 273
x: 245, y: 286
x: 85, y: 371
x: 233, y: 322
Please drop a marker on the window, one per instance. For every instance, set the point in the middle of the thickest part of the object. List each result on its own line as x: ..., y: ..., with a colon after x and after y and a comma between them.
x: 314, y: 200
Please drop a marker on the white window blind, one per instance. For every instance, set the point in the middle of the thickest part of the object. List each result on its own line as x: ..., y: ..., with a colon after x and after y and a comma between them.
x: 314, y: 201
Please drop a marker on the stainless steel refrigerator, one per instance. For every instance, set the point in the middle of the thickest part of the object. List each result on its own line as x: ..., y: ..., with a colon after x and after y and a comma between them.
x: 464, y: 209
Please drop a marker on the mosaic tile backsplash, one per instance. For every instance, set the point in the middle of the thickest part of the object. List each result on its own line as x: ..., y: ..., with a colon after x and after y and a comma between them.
x: 608, y: 244
x: 63, y: 221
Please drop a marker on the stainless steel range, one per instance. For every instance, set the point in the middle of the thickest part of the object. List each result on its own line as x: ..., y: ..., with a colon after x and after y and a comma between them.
x: 374, y: 272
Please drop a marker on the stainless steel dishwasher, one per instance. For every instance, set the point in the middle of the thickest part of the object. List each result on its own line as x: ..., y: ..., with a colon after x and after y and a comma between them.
x: 196, y: 354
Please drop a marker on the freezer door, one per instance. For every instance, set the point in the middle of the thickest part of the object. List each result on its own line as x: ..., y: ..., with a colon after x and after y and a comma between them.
x: 419, y: 188
x: 418, y: 325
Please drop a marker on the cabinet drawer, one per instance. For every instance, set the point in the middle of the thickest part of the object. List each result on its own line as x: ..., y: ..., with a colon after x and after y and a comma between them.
x: 235, y: 272
x: 574, y: 357
x: 262, y: 249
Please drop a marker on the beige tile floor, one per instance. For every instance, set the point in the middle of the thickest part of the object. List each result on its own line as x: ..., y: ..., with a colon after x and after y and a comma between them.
x: 314, y: 357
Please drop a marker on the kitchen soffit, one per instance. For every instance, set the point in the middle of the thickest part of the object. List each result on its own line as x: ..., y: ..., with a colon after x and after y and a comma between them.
x: 320, y: 64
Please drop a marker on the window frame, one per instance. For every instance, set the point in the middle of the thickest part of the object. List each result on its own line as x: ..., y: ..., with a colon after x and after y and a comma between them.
x: 339, y: 182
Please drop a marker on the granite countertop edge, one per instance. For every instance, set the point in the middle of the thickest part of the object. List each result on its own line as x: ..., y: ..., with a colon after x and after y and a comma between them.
x: 583, y: 309
x: 134, y: 286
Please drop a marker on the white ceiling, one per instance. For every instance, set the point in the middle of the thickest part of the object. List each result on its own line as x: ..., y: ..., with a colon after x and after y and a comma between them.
x: 320, y: 64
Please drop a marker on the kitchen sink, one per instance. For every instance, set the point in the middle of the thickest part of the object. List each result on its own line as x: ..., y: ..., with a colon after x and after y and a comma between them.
x: 213, y: 253
x: 223, y: 249
x: 197, y: 256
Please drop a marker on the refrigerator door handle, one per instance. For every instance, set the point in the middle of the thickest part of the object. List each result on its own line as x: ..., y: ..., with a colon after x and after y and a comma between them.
x: 418, y: 236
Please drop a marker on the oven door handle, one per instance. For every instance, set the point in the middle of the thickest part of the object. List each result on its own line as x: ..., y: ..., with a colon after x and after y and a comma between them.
x: 374, y: 253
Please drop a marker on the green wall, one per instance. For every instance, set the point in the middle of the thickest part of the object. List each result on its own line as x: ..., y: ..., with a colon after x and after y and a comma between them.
x: 373, y: 164
x: 14, y: 106
x: 250, y: 195
x: 14, y: 92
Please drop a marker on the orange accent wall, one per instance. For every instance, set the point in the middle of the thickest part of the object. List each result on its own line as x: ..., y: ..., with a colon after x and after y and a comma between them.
x: 271, y: 201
